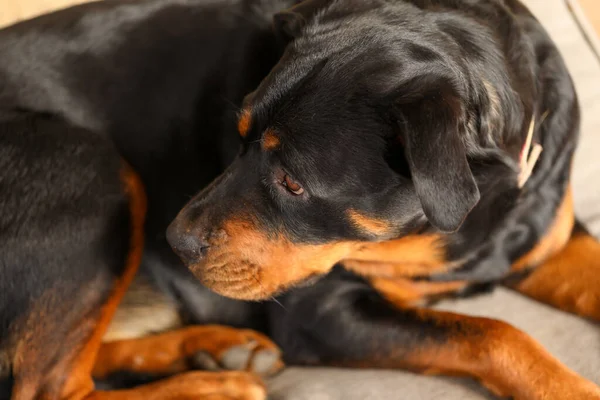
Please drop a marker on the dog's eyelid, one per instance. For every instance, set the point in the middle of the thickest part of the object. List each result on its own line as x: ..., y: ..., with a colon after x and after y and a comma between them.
x: 292, y: 185
x: 287, y: 180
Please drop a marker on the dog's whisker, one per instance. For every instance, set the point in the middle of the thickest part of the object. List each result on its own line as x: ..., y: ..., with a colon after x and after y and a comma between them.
x: 278, y: 302
x: 264, y: 291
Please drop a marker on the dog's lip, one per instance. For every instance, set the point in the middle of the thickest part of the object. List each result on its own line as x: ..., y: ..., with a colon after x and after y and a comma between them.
x: 240, y: 289
x: 223, y: 272
x: 241, y: 280
x: 214, y: 262
x: 230, y: 280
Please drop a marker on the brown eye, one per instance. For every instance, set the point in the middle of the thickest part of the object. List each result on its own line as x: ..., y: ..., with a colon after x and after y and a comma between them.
x: 292, y: 186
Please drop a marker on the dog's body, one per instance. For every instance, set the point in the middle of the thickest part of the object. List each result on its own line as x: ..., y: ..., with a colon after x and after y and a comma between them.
x: 91, y: 94
x: 84, y: 92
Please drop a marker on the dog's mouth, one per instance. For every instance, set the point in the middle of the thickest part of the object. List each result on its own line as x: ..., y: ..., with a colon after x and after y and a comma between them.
x: 244, y: 280
x: 239, y: 289
x: 238, y: 280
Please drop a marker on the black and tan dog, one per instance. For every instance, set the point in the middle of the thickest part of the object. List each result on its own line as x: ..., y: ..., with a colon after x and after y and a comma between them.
x: 403, y: 139
x: 385, y: 135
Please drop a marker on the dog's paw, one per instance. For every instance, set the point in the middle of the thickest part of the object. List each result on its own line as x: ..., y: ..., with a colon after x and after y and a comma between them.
x: 243, y: 386
x: 234, y: 349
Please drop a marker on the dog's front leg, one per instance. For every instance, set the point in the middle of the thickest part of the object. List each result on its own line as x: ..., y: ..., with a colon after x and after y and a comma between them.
x: 355, y: 326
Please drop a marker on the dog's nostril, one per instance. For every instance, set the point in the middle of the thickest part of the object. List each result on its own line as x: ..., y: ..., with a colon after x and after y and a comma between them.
x: 204, y: 250
x: 189, y: 246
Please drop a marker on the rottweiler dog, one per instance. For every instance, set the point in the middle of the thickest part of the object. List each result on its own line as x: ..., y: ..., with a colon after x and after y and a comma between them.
x: 425, y: 145
x: 384, y: 136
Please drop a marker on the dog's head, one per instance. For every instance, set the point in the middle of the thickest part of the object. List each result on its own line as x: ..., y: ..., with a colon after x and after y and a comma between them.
x: 358, y: 134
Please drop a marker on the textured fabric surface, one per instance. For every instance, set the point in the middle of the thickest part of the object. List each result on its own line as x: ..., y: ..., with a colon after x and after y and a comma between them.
x: 573, y: 341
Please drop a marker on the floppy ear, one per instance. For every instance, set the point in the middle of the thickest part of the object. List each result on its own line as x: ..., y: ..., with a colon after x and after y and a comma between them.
x: 430, y: 115
x: 288, y: 24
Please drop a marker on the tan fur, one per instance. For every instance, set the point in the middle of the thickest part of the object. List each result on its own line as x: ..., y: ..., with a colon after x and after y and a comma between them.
x: 370, y: 225
x: 555, y: 239
x: 270, y: 140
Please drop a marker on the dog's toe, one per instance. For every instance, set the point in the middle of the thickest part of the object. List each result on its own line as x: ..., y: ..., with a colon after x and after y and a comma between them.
x: 266, y: 362
x: 237, y: 358
x: 204, y: 361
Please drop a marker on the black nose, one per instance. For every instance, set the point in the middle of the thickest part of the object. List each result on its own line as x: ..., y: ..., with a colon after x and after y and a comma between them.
x: 190, y: 246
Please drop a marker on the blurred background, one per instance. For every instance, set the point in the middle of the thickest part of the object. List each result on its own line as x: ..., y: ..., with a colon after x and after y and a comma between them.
x: 14, y: 10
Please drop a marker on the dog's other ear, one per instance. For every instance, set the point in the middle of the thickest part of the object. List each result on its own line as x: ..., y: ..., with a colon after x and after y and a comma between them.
x: 430, y: 114
x: 288, y: 24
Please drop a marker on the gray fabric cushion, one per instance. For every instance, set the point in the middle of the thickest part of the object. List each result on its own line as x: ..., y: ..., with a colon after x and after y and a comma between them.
x: 572, y: 340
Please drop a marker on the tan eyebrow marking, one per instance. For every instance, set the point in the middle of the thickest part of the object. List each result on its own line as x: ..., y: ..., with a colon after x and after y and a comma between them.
x: 244, y: 122
x: 270, y: 140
